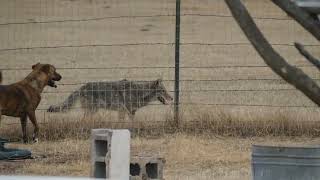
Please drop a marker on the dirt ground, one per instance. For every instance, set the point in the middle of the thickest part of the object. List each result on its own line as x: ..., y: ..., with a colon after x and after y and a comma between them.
x: 187, y: 157
x: 102, y: 41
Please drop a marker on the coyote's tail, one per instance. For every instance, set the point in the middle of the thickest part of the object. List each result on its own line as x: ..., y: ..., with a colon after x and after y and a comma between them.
x: 67, y: 104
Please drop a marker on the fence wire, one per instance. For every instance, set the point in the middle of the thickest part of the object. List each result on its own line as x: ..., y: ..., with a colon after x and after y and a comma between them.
x: 134, y: 17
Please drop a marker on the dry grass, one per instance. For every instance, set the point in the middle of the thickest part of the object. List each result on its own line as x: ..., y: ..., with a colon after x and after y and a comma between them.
x: 187, y: 156
x: 202, y: 123
x: 65, y: 157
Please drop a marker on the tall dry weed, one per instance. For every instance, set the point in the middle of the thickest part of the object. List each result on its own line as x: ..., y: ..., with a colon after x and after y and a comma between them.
x: 208, y: 123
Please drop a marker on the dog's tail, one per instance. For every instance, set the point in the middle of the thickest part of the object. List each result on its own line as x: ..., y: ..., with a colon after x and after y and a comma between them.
x: 67, y: 104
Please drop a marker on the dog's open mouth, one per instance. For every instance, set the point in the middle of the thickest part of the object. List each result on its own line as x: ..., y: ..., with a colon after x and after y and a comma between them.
x: 51, y: 83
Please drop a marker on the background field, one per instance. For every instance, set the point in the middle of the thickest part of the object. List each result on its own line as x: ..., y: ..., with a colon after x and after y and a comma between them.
x: 222, y: 77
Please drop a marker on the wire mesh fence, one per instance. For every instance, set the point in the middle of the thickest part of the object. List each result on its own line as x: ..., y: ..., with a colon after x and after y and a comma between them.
x: 93, y: 41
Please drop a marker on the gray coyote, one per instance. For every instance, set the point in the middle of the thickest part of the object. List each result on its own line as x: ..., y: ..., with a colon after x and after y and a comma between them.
x: 123, y: 96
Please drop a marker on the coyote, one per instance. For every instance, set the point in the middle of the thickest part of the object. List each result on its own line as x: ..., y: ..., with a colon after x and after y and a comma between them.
x: 22, y: 98
x: 123, y: 96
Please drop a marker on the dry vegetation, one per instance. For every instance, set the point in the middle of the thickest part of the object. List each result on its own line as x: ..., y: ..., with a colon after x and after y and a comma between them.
x: 187, y: 156
x: 214, y: 146
x: 203, y: 123
x: 214, y: 141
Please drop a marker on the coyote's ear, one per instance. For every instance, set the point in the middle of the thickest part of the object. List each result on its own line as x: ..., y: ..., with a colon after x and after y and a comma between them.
x: 33, y: 66
x: 158, y: 82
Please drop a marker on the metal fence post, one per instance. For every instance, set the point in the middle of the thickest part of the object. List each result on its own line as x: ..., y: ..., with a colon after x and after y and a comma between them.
x: 177, y: 64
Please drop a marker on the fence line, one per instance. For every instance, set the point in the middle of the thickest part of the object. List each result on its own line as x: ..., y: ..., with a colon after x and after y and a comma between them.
x: 146, y: 44
x: 155, y: 67
x: 190, y: 91
x: 194, y: 80
x: 150, y: 123
x: 86, y: 45
x: 219, y: 104
x: 136, y: 17
x: 243, y: 44
x: 253, y: 105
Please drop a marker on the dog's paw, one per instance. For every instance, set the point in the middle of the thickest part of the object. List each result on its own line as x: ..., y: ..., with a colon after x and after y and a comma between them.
x: 25, y: 140
x: 35, y: 140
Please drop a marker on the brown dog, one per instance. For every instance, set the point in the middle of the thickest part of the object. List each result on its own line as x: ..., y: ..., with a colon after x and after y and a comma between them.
x: 21, y: 99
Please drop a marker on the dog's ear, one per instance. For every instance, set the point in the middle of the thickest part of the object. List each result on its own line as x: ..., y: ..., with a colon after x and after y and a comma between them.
x: 33, y: 66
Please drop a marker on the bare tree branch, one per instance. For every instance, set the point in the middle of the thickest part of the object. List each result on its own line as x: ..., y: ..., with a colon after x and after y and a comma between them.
x: 291, y: 74
x: 301, y: 16
x: 307, y: 55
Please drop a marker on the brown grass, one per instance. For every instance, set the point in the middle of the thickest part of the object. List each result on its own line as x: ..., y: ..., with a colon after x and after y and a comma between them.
x: 187, y: 156
x: 208, y: 145
x: 202, y: 123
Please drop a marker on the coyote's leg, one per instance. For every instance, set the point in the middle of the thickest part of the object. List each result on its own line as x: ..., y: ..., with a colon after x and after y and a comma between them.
x: 86, y: 107
x: 88, y: 112
x: 131, y: 115
x: 132, y: 123
x: 121, y: 114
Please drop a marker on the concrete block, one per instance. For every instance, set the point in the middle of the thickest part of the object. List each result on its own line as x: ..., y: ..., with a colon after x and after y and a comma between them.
x: 120, y: 155
x: 146, y: 168
x: 110, y: 153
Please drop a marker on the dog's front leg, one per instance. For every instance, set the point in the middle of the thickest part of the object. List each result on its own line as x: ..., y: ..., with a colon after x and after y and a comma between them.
x: 23, y: 120
x: 32, y: 117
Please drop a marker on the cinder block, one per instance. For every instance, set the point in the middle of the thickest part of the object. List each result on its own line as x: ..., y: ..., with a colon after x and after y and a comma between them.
x: 110, y: 153
x: 146, y: 168
x: 120, y: 155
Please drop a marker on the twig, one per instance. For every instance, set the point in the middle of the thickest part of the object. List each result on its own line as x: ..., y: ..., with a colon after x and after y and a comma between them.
x: 307, y: 55
x: 301, y: 16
